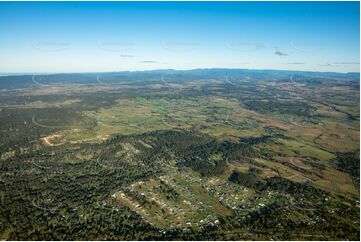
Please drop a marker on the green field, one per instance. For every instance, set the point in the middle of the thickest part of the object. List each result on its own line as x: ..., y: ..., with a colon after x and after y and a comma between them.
x: 195, y: 157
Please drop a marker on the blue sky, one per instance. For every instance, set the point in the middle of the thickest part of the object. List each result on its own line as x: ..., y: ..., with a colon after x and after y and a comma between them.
x: 116, y: 36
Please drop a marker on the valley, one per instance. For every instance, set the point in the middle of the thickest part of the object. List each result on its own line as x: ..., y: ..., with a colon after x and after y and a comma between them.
x: 220, y: 154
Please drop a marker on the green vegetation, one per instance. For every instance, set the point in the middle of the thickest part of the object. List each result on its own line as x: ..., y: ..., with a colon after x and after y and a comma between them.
x: 250, y: 179
x: 350, y: 163
x: 192, y: 158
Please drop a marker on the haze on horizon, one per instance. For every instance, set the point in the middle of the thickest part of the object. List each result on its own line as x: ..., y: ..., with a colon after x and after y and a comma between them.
x: 118, y: 36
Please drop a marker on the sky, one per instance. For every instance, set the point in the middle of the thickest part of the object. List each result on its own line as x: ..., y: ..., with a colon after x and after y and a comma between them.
x: 118, y: 36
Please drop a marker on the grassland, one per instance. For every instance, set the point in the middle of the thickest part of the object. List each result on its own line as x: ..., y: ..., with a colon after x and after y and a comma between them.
x: 180, y: 157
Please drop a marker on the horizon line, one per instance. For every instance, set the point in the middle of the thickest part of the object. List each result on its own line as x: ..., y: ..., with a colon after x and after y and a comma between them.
x: 165, y: 69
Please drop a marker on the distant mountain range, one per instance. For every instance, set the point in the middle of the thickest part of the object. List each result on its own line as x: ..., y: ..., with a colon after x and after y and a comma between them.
x: 12, y: 80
